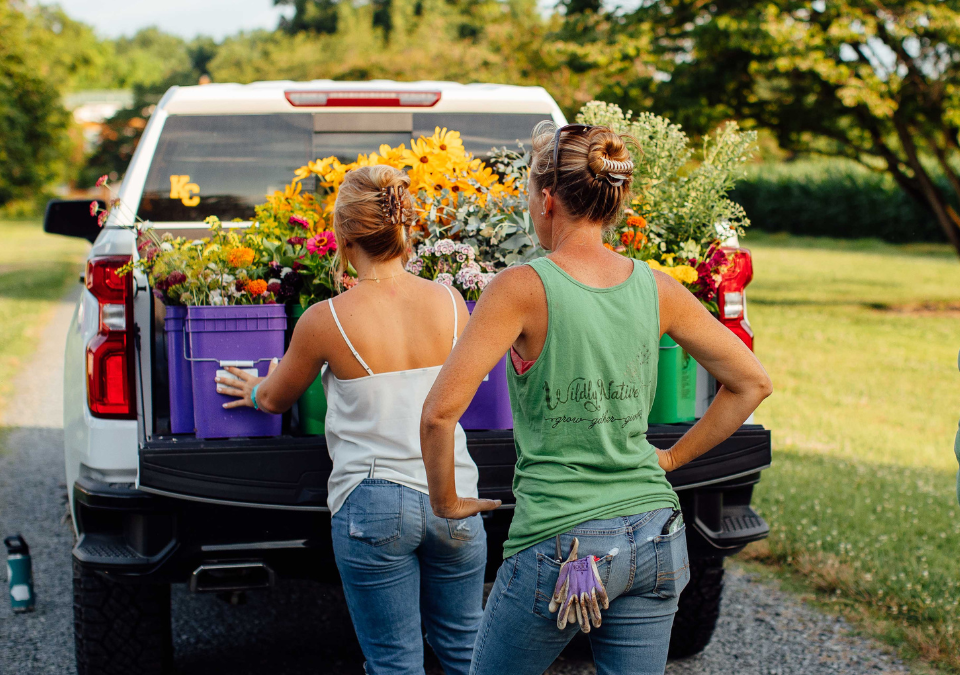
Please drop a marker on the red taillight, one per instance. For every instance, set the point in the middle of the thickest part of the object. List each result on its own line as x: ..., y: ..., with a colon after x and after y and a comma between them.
x: 380, y: 99
x: 731, y: 294
x: 110, y: 380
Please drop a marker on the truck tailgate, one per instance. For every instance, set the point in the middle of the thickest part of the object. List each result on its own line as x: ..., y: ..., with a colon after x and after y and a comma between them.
x: 291, y: 472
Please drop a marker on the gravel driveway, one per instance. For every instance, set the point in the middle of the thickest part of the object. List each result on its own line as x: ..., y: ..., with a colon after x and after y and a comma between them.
x: 301, y: 627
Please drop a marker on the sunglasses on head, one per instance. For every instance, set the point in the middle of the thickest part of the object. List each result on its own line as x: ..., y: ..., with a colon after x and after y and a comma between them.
x: 571, y: 128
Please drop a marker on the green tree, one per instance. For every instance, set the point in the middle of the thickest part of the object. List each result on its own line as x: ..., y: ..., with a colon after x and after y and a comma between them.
x: 317, y: 16
x: 33, y: 122
x: 876, y: 82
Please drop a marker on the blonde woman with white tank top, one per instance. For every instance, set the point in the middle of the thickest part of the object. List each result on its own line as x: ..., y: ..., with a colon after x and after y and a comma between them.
x: 380, y: 346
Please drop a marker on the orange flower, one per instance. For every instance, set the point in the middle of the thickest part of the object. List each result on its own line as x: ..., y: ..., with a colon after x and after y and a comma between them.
x: 639, y: 241
x: 256, y: 287
x: 609, y: 246
x: 638, y: 222
x: 240, y: 257
x: 627, y: 237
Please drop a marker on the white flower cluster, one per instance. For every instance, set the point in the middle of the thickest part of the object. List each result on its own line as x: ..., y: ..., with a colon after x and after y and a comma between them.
x: 462, y: 252
x: 415, y: 265
x: 471, y: 276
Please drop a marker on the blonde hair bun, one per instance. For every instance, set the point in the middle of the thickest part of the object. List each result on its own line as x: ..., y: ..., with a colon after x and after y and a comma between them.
x: 373, y: 210
x: 595, y: 170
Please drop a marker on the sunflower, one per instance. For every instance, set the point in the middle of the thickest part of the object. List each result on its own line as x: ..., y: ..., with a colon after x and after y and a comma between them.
x: 447, y: 141
x: 421, y: 156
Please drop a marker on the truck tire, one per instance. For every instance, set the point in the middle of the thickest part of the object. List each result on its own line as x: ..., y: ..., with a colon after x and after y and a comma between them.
x: 699, y: 608
x: 120, y: 629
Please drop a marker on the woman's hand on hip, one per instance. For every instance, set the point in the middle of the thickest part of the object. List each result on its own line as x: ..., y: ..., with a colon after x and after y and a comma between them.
x: 464, y: 508
x: 666, y: 460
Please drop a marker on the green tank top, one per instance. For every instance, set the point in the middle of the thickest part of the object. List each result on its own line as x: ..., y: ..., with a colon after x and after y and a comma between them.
x: 580, y: 412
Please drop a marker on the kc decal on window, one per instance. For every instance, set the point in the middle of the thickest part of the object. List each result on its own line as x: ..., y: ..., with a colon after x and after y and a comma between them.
x: 181, y: 188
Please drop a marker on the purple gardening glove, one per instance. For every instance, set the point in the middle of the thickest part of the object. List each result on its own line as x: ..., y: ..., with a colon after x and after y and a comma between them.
x: 579, y: 591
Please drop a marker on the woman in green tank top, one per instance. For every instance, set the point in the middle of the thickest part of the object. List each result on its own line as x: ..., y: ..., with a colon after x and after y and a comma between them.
x: 583, y: 326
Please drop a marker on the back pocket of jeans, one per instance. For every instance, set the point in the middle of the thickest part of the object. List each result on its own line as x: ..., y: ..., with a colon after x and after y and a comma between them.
x: 673, y: 565
x: 548, y: 571
x: 465, y: 529
x: 374, y: 511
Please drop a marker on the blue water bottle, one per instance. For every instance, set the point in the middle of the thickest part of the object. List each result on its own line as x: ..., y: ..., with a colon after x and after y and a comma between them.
x: 20, y: 574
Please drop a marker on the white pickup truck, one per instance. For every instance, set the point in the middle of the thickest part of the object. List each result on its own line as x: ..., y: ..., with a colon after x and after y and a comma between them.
x: 151, y: 508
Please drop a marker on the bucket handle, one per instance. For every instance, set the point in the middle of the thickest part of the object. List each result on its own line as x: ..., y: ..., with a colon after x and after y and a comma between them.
x: 223, y: 362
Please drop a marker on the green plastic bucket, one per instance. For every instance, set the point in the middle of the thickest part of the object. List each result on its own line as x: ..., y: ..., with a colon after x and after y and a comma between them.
x: 312, y: 406
x: 676, y: 399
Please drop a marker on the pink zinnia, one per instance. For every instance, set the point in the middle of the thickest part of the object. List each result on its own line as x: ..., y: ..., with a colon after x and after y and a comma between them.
x: 102, y: 180
x: 322, y: 243
x: 102, y: 218
x: 94, y: 207
x: 299, y: 221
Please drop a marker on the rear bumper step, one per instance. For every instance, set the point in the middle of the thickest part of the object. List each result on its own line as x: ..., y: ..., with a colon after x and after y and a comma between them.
x: 111, y: 552
x: 739, y: 525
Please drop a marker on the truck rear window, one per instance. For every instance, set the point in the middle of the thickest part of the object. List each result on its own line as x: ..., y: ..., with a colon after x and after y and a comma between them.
x: 224, y: 165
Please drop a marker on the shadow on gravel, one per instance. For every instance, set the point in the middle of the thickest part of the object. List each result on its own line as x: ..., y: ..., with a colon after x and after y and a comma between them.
x: 299, y: 627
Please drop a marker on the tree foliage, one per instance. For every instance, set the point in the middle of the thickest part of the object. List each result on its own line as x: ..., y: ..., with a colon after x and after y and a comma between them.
x: 875, y: 82
x: 33, y: 123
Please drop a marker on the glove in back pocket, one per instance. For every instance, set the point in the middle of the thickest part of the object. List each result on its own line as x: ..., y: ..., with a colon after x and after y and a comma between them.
x: 374, y: 511
x: 548, y: 571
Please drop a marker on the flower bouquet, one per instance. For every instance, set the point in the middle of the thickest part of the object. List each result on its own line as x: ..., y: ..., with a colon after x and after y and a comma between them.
x: 472, y: 222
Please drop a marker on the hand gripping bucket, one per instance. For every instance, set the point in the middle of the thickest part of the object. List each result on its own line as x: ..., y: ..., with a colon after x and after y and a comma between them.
x: 676, y: 398
x: 244, y: 336
x: 179, y: 374
x: 490, y: 408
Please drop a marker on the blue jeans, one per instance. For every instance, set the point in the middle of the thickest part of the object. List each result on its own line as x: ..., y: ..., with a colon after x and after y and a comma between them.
x: 400, y: 566
x: 643, y: 572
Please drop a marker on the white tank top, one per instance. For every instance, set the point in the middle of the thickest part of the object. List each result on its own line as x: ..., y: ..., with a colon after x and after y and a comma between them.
x: 373, y: 428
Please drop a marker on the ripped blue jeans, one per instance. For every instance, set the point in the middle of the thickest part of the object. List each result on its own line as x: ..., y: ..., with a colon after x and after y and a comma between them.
x: 402, y: 568
x: 643, y: 571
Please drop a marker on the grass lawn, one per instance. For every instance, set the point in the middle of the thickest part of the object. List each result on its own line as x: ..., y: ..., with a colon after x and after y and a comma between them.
x: 861, y: 341
x: 36, y: 269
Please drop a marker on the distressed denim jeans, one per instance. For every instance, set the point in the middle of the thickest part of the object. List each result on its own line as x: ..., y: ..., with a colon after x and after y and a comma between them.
x: 407, y: 572
x: 643, y: 572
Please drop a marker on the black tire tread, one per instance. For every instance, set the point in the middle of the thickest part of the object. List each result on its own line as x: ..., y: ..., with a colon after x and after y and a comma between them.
x: 699, y: 608
x: 120, y: 629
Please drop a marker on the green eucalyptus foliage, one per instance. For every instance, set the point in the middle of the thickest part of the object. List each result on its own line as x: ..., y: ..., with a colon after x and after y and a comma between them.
x: 685, y: 202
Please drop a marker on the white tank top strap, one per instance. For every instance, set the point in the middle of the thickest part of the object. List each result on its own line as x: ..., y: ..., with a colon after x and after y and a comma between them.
x: 456, y: 314
x: 347, y: 340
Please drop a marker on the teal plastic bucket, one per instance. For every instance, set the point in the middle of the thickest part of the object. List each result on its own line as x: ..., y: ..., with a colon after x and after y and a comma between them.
x: 676, y: 399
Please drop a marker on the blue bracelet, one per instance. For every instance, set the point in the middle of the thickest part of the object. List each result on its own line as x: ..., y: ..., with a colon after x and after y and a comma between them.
x: 253, y: 395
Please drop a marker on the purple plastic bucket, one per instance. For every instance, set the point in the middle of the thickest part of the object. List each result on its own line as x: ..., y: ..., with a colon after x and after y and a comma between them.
x: 232, y: 333
x: 178, y: 372
x: 490, y: 407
